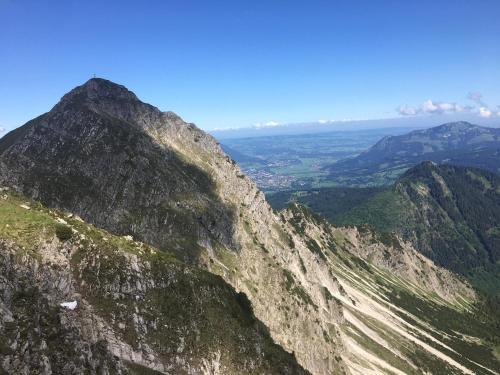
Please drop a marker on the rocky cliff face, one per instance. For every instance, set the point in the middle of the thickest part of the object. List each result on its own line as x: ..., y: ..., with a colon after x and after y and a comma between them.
x: 325, y: 294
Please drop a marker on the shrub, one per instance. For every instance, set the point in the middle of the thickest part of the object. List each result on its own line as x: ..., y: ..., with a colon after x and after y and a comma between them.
x: 63, y: 232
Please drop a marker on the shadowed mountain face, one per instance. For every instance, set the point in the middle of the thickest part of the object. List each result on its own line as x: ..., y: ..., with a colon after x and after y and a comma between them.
x: 459, y: 143
x: 342, y: 300
x: 95, y: 153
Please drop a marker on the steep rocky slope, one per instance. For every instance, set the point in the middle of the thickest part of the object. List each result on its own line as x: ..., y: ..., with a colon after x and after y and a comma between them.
x: 457, y: 143
x: 402, y: 313
x: 127, y: 167
x: 102, y: 153
x: 138, y: 308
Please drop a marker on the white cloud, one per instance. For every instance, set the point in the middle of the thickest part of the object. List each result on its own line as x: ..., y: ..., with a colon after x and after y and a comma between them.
x: 485, y: 112
x: 266, y: 124
x: 431, y: 107
x: 406, y: 110
x: 450, y: 107
x: 483, y: 108
x: 440, y: 107
x: 2, y: 130
x: 272, y: 123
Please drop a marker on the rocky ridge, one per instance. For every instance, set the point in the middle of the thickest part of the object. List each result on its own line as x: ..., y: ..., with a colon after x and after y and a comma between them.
x: 324, y: 293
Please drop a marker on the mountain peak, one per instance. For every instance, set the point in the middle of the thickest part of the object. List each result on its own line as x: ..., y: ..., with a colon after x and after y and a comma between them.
x: 98, y: 89
x: 454, y: 126
x: 424, y: 167
x: 112, y: 100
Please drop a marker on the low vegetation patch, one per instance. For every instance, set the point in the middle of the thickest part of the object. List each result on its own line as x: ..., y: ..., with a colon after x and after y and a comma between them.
x: 63, y: 232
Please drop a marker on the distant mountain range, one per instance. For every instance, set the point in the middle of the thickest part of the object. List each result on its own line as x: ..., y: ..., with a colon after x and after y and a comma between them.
x: 458, y: 143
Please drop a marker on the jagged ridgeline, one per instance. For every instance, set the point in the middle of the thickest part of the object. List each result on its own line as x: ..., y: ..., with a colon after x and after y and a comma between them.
x: 179, y: 265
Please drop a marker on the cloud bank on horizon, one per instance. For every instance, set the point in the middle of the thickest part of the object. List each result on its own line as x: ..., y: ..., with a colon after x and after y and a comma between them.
x: 267, y: 124
x: 479, y: 109
x: 433, y: 107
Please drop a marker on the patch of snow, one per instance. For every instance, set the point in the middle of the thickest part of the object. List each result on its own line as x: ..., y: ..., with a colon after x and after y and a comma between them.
x: 61, y: 221
x: 69, y: 305
x: 26, y: 207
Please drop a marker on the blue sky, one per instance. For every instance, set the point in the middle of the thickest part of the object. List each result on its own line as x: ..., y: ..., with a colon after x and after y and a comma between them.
x: 237, y: 63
